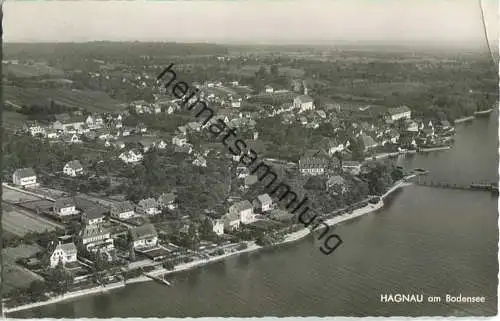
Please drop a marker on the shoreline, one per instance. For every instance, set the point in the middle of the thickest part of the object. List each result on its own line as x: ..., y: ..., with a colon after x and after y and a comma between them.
x: 252, y: 247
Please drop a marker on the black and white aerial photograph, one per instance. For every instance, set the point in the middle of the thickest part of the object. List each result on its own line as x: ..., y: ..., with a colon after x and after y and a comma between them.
x: 278, y: 158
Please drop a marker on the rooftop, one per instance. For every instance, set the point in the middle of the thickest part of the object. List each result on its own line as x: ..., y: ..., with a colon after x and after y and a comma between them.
x: 25, y: 172
x: 143, y: 231
x: 398, y: 110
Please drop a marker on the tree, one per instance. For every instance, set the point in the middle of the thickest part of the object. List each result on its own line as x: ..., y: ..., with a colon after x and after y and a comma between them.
x: 357, y: 148
x: 275, y: 72
x: 206, y: 229
x: 37, y: 290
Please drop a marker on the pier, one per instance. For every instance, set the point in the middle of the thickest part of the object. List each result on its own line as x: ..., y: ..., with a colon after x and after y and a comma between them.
x: 473, y: 186
x: 158, y: 279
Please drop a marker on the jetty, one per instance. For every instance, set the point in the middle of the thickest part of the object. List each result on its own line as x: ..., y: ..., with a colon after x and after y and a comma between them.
x: 158, y: 279
x: 473, y: 186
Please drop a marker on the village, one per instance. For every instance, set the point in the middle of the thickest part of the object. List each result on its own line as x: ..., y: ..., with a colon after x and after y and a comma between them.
x: 102, y: 197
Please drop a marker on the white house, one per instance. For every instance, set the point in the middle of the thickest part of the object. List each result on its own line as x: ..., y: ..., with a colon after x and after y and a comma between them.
x: 148, y: 206
x: 245, y: 211
x: 179, y: 140
x: 402, y: 112
x: 93, y: 216
x: 352, y: 167
x: 65, y: 207
x: 144, y: 237
x: 96, y: 237
x: 312, y: 164
x: 73, y: 168
x: 303, y: 103
x: 123, y: 210
x: 36, y: 130
x: 269, y: 89
x: 231, y: 222
x: 161, y: 144
x: 131, y: 157
x: 218, y: 226
x: 167, y: 200
x: 263, y: 203
x: 24, y: 177
x: 63, y: 253
x: 334, y: 147
x: 412, y: 126
x: 200, y: 161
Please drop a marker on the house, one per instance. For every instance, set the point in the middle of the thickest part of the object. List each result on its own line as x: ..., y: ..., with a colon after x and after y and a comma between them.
x: 126, y: 132
x: 93, y: 216
x: 231, y: 222
x: 334, y: 147
x: 147, y: 144
x: 218, y: 226
x: 67, y: 123
x: 412, y: 126
x: 312, y: 163
x: 402, y: 112
x: 141, y: 128
x: 131, y: 157
x: 167, y: 200
x: 303, y: 103
x: 321, y: 113
x: 368, y: 142
x: 65, y: 207
x: 35, y: 129
x: 118, y: 144
x: 123, y: 210
x: 161, y: 144
x: 242, y: 171
x: 269, y: 89
x: 200, y: 161
x: 157, y: 109
x: 95, y: 238
x: 148, y: 206
x: 52, y: 134
x: 63, y: 253
x: 24, y: 177
x: 194, y: 126
x: 352, y: 167
x: 144, y: 236
x: 73, y: 168
x: 428, y: 132
x: 236, y: 103
x: 94, y: 122
x: 245, y: 211
x: 263, y: 203
x: 75, y: 138
x: 179, y: 140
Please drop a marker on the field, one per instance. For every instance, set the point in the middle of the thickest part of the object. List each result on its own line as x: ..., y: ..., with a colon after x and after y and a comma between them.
x: 13, y: 120
x: 33, y: 70
x: 14, y: 275
x: 13, y: 196
x: 19, y: 222
x: 94, y: 101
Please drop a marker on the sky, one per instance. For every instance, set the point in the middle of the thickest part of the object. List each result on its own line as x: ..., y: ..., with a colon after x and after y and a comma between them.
x: 252, y: 21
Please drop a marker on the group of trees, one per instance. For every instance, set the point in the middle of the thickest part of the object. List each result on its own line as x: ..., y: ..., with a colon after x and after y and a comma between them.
x: 44, y: 113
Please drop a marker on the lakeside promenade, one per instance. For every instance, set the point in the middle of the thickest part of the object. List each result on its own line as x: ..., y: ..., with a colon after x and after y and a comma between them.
x: 252, y: 246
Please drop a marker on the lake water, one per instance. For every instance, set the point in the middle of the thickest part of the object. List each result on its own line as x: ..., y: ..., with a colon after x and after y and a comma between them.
x: 424, y: 241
